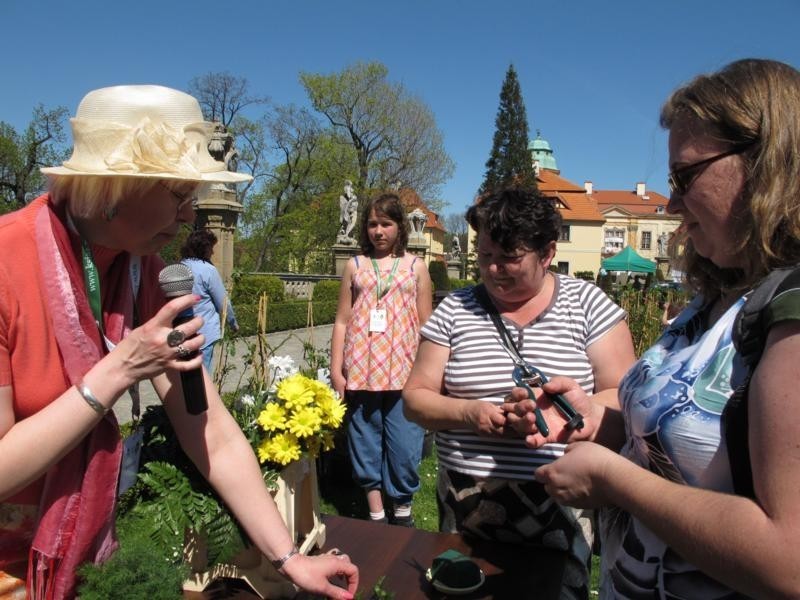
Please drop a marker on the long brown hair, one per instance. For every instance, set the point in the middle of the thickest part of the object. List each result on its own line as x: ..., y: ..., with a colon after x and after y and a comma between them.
x: 756, y: 102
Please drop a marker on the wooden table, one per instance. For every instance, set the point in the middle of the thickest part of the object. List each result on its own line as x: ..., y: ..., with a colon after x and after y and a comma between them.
x: 403, y: 555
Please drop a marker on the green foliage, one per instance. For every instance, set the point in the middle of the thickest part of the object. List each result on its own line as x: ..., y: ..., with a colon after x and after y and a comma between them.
x: 457, y: 284
x: 171, y: 497
x: 139, y: 570
x: 172, y: 504
x: 284, y: 315
x: 510, y: 162
x: 326, y: 290
x: 438, y: 271
x: 644, y: 313
x: 22, y: 155
x: 250, y: 287
x: 392, y: 133
x: 585, y: 275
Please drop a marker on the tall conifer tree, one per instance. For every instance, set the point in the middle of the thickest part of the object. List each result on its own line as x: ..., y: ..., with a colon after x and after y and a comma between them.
x: 510, y: 161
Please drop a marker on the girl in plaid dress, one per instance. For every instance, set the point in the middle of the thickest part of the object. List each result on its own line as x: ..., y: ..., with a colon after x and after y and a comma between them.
x: 385, y: 297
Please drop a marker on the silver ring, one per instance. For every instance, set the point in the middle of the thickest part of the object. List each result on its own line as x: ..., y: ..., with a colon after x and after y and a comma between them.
x: 182, y: 352
x: 175, y: 338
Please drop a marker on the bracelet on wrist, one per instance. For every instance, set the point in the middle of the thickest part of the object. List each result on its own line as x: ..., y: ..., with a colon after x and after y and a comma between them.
x: 279, y: 562
x: 90, y: 398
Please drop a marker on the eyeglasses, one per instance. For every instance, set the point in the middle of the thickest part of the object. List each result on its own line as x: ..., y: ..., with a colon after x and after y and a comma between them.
x: 182, y: 200
x: 681, y: 179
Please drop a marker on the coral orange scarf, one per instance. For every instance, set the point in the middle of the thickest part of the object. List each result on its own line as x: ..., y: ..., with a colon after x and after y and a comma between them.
x: 76, y: 516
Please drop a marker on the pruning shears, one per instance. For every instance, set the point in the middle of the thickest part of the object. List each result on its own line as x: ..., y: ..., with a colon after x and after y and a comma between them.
x: 528, y: 377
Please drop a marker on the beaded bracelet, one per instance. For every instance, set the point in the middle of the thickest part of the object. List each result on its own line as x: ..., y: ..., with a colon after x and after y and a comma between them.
x: 90, y: 398
x: 279, y: 562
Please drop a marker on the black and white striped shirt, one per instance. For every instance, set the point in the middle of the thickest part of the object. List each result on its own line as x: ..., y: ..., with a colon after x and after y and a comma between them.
x: 479, y: 367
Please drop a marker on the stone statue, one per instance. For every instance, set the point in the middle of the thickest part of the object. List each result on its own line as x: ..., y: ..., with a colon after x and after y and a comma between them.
x: 222, y: 149
x: 455, y: 249
x: 663, y: 240
x: 417, y: 218
x: 348, y: 213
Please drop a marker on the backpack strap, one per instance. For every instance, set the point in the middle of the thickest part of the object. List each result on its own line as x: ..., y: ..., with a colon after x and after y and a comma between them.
x: 769, y: 303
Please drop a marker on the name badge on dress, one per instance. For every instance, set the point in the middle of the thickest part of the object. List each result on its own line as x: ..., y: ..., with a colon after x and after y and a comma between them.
x: 377, y: 320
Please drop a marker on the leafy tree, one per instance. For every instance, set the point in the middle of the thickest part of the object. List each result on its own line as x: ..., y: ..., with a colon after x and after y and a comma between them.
x: 223, y: 98
x: 393, y: 133
x: 21, y: 156
x: 509, y: 161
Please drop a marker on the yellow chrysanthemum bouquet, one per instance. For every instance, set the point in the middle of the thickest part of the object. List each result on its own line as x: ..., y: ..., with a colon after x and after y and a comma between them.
x: 298, y: 416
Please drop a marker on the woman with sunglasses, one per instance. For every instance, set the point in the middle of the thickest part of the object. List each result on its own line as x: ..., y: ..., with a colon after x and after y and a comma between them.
x: 523, y: 322
x: 676, y: 522
x: 83, y: 319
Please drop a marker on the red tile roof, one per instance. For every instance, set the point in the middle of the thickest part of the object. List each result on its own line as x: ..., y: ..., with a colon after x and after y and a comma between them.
x: 629, y: 201
x: 549, y: 181
x: 411, y: 200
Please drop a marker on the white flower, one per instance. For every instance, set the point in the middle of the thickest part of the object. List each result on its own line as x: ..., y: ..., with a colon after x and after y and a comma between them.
x: 324, y: 375
x: 282, y: 367
x: 245, y: 400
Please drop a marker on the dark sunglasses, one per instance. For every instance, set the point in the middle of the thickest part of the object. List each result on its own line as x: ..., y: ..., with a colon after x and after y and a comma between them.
x: 681, y: 179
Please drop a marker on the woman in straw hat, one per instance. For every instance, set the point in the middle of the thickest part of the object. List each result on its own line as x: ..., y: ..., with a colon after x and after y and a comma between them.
x: 82, y: 319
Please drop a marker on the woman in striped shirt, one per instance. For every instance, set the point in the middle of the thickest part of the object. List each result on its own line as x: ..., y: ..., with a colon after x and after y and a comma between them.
x: 463, y: 372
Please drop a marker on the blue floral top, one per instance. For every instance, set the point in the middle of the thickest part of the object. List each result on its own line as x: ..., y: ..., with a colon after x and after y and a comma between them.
x: 673, y: 399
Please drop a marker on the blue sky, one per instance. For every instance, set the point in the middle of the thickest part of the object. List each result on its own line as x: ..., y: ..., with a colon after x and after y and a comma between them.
x: 593, y: 74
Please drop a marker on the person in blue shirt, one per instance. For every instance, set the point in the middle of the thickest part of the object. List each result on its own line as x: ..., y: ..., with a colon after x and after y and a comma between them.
x: 196, y: 254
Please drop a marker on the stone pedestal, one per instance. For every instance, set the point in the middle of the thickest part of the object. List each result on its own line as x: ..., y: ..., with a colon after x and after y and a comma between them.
x: 418, y: 246
x: 218, y: 211
x: 454, y: 268
x: 341, y: 254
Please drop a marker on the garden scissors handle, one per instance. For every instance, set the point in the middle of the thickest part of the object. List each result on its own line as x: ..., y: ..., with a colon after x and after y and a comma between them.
x: 528, y: 376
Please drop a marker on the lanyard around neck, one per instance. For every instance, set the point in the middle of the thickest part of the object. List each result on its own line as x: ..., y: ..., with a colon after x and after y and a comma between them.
x: 380, y: 290
x: 92, y: 280
x: 505, y: 337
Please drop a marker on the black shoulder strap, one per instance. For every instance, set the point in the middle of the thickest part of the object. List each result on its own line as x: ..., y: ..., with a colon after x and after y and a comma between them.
x: 750, y: 332
x: 482, y: 296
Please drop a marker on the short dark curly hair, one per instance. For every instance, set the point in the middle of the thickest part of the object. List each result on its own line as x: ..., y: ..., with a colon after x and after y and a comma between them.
x: 516, y: 218
x: 199, y: 244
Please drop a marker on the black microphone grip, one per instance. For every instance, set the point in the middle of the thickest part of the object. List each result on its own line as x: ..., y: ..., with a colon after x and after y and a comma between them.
x: 194, y: 388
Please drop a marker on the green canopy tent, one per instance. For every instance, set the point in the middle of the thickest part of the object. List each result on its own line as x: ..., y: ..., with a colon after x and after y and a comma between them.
x: 628, y: 260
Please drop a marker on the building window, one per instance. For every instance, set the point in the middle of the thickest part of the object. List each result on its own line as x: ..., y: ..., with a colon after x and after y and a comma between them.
x: 660, y: 209
x: 647, y: 238
x: 563, y: 236
x: 613, y: 240
x: 563, y: 267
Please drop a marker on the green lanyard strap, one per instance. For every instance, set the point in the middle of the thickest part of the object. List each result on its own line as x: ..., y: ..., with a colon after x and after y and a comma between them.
x: 92, y: 280
x: 380, y: 290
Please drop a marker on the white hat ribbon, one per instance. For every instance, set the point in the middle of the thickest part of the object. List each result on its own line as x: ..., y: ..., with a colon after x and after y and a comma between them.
x: 146, y: 148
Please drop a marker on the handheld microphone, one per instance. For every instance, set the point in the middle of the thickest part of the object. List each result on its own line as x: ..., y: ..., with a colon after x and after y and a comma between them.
x: 177, y: 280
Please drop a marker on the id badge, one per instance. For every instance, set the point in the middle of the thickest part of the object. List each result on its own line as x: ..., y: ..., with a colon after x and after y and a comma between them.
x: 377, y: 320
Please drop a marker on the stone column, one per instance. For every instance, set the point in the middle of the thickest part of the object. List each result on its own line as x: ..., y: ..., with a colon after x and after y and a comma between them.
x: 218, y: 210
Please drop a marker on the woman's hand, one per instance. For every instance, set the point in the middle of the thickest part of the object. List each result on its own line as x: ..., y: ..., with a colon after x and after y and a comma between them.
x: 146, y: 352
x: 521, y: 418
x: 578, y: 478
x: 312, y: 573
x: 486, y: 418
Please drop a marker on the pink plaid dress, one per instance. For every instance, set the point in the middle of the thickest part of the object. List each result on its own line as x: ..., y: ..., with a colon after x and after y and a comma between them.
x: 382, y: 361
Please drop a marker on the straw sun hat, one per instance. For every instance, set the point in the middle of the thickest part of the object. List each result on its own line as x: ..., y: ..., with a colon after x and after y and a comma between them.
x: 143, y: 131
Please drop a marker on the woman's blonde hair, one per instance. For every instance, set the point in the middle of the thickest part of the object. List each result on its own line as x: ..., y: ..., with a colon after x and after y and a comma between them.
x: 96, y: 196
x: 756, y: 102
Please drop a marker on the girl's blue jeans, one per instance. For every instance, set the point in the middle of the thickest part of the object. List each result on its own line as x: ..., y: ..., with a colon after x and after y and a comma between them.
x: 385, y: 447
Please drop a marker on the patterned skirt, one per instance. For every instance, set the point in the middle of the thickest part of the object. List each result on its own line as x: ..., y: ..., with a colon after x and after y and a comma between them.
x: 519, y: 512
